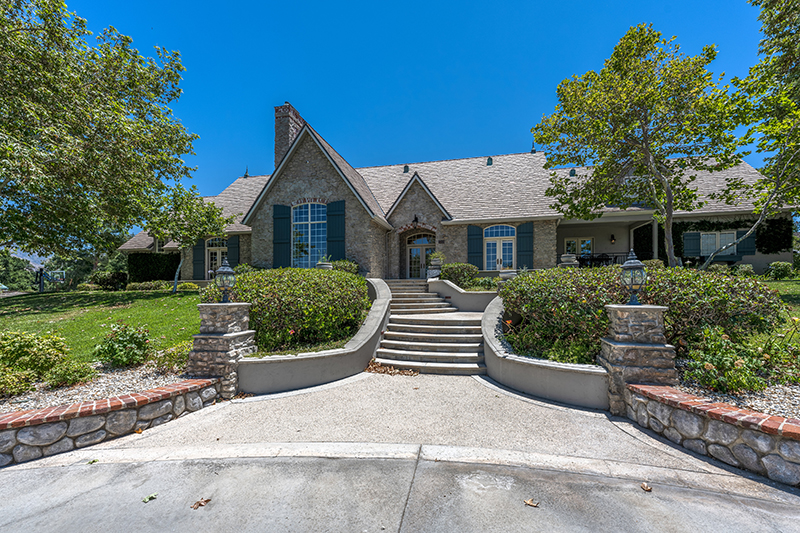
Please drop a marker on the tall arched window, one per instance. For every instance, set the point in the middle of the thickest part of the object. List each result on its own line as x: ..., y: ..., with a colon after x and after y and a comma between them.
x: 498, y: 245
x: 309, y: 234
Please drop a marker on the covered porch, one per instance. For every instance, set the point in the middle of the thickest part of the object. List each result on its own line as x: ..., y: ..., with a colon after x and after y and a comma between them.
x: 605, y: 242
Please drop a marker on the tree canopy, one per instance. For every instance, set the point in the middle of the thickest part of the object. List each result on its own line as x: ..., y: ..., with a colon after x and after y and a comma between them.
x: 642, y: 128
x: 88, y: 142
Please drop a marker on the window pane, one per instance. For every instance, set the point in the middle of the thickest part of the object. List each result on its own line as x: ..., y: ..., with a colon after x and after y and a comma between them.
x: 300, y: 250
x: 708, y: 243
x: 725, y: 238
x: 499, y: 231
x: 318, y: 212
x: 571, y: 246
x: 421, y: 239
x: 586, y: 246
x: 491, y: 255
x: 319, y: 242
x: 508, y: 255
x: 300, y: 213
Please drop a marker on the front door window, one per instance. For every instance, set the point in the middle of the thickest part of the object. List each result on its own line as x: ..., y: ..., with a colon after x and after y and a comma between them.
x: 499, y: 244
x: 420, y: 247
x: 216, y: 251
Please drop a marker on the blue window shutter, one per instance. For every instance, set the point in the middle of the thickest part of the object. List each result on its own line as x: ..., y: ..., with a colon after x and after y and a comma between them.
x: 199, y: 260
x: 475, y: 246
x: 281, y: 236
x: 336, y: 230
x: 691, y: 244
x: 525, y: 245
x: 747, y: 246
x: 233, y: 250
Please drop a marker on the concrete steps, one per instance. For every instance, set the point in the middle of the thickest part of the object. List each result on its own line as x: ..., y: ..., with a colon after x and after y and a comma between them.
x: 427, y: 334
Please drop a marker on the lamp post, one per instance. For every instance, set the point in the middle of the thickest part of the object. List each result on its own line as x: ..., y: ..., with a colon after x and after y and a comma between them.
x: 634, y: 277
x: 225, y: 279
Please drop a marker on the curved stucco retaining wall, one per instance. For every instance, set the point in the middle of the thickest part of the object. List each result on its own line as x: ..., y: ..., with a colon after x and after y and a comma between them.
x: 282, y: 373
x: 579, y: 385
x: 469, y: 301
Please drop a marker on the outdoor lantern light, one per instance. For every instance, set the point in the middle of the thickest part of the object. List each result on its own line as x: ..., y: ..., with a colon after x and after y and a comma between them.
x: 415, y: 222
x: 633, y: 277
x: 225, y: 279
x: 613, y: 239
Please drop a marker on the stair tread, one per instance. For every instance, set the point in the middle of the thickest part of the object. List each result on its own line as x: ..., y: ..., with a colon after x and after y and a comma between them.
x: 434, y: 337
x: 424, y: 344
x: 455, y: 355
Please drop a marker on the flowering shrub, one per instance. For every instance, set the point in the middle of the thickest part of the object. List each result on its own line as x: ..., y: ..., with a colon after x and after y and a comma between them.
x: 291, y: 306
x: 461, y: 274
x: 124, y: 346
x: 719, y: 364
x: 564, y: 307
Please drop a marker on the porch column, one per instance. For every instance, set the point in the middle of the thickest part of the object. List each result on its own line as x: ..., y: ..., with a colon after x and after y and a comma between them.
x: 655, y: 239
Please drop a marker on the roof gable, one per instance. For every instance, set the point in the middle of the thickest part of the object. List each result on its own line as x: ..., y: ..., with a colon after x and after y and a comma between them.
x: 351, y: 177
x: 416, y: 179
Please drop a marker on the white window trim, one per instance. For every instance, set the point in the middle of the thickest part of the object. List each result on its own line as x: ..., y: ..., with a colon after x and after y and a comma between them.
x: 499, y: 240
x: 219, y: 249
x: 730, y: 251
x: 578, y: 244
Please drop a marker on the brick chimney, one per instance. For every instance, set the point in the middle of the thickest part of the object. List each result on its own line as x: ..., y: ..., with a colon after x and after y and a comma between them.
x: 288, y: 124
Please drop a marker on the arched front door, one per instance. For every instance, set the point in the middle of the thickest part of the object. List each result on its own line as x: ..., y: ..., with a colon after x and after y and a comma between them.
x: 419, y: 246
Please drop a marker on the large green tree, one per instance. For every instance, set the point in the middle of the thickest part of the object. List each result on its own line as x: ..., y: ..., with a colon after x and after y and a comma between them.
x: 643, y: 126
x: 771, y: 96
x: 185, y: 218
x: 88, y: 141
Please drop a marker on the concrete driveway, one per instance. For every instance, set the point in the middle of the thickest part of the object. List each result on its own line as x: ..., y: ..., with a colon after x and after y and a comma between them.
x: 392, y: 453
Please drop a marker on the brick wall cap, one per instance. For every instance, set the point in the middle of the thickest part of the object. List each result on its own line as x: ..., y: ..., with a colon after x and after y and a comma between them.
x: 35, y: 417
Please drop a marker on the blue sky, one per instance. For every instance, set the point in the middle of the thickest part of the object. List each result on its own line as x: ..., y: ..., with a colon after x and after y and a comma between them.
x: 395, y: 82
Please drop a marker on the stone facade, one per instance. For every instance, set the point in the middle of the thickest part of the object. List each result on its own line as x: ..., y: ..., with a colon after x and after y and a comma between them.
x: 310, y: 173
x: 766, y: 445
x: 288, y: 124
x: 544, y: 244
x: 635, y: 351
x: 28, y: 435
x: 223, y: 340
x: 245, y: 256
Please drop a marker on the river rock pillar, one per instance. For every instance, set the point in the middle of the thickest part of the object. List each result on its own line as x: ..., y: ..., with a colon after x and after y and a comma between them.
x: 223, y: 340
x: 635, y: 352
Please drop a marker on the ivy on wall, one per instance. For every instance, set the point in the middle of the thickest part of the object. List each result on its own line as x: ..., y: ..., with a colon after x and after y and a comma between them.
x: 772, y: 237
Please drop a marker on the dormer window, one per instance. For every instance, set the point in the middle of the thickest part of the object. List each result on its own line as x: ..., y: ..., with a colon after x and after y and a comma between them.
x: 159, y: 244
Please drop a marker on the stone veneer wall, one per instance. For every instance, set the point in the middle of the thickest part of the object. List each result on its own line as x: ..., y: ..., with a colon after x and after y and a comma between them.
x: 28, y: 435
x: 764, y: 444
x: 309, y: 174
x: 544, y: 244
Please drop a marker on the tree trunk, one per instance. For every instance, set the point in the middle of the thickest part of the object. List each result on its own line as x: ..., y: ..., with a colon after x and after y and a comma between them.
x: 177, y: 273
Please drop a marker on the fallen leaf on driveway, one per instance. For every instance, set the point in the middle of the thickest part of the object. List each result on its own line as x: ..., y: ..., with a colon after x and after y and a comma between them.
x: 200, y: 503
x: 93, y: 461
x: 646, y: 487
x: 138, y: 431
x: 151, y: 497
x: 531, y: 503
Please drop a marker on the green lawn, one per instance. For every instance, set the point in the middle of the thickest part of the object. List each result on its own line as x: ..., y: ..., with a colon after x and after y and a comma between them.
x: 84, y: 318
x: 789, y: 291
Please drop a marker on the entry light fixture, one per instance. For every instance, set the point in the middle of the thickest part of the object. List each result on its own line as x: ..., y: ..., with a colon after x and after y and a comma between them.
x: 613, y: 239
x: 415, y: 222
x: 225, y: 279
x: 634, y: 277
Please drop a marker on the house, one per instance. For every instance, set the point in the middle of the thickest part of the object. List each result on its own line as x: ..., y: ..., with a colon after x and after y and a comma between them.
x: 489, y: 211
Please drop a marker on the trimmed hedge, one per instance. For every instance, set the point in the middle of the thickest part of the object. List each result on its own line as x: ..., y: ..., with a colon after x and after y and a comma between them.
x: 291, y: 306
x: 346, y: 265
x: 562, y: 309
x: 158, y: 285
x: 152, y: 266
x: 461, y: 274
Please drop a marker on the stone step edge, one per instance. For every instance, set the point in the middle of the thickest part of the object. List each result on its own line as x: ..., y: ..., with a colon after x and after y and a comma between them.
x: 774, y: 425
x: 455, y: 346
x: 18, y: 419
x: 432, y: 355
x: 421, y: 364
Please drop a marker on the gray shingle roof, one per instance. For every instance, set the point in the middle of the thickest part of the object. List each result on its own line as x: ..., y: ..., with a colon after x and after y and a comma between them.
x: 512, y: 187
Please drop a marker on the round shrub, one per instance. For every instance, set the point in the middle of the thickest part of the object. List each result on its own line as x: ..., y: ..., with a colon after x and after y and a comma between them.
x: 188, y: 286
x: 70, y: 372
x: 487, y: 284
x: 88, y: 287
x: 459, y: 273
x: 719, y: 268
x: 109, y: 281
x: 124, y: 346
x: 346, y: 265
x: 14, y: 381
x: 653, y: 264
x: 28, y: 351
x: 564, y: 307
x: 292, y: 306
x: 244, y: 268
x: 779, y: 270
x: 745, y: 269
x: 158, y: 285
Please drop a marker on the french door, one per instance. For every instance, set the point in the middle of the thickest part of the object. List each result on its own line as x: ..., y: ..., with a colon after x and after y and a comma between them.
x: 418, y: 261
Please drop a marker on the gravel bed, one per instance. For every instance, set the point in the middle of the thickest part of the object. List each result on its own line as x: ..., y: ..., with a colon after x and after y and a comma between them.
x: 776, y: 399
x: 109, y: 382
